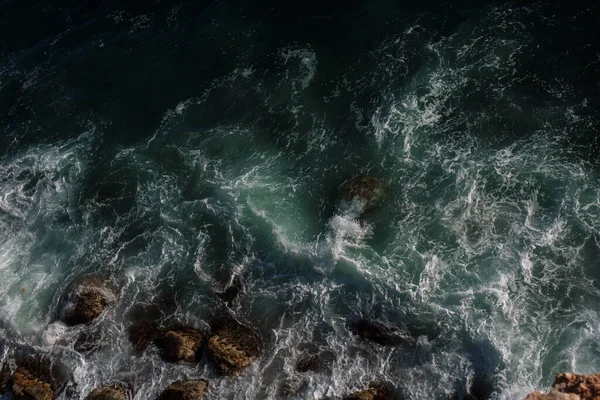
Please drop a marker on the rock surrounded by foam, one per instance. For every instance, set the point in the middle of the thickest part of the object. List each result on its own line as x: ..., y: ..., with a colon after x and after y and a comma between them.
x: 108, y: 393
x: 85, y: 299
x: 571, y: 387
x: 185, y: 390
x: 35, y: 376
x: 232, y: 346
x: 379, y: 333
x: 176, y: 343
x: 182, y: 344
x: 361, y: 194
x: 311, y: 359
x: 26, y: 386
x: 375, y: 391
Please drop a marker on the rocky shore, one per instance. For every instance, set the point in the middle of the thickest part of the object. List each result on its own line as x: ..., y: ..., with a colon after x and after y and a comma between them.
x: 568, y: 386
x: 231, y: 344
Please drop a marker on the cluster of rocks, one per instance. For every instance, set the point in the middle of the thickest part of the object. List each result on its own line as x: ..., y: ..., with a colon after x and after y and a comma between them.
x: 231, y: 345
x: 571, y: 387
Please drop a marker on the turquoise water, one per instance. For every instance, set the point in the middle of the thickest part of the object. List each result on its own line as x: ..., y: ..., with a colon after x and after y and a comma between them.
x: 484, y: 250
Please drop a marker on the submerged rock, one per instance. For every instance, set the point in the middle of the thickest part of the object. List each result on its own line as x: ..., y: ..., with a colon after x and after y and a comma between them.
x: 571, y: 387
x: 290, y: 386
x: 375, y: 391
x: 85, y: 300
x: 379, y: 333
x: 88, y: 341
x: 183, y: 344
x: 25, y: 386
x: 185, y: 390
x: 232, y: 346
x: 108, y: 393
x: 361, y: 194
x: 312, y: 361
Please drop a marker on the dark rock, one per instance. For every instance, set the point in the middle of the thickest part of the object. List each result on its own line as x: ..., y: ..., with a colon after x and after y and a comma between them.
x: 108, y: 393
x: 231, y: 292
x: 361, y: 194
x: 379, y: 333
x: 85, y: 300
x: 233, y: 346
x: 4, y: 377
x: 375, y: 391
x: 142, y: 334
x: 25, y: 386
x: 185, y: 390
x: 183, y: 344
x: 314, y: 362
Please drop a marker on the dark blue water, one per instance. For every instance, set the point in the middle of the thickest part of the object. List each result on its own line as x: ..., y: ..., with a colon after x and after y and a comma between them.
x: 180, y: 146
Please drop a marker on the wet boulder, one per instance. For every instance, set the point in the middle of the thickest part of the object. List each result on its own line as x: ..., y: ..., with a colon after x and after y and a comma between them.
x: 375, y: 391
x: 185, y: 390
x: 108, y: 393
x: 183, y: 344
x: 571, y: 387
x: 26, y: 386
x: 232, y: 346
x: 143, y: 333
x: 379, y: 333
x: 361, y: 194
x: 176, y: 343
x: 85, y: 299
x: 585, y: 386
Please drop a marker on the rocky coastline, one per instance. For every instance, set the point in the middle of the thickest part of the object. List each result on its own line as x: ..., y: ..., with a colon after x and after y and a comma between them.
x: 232, y: 345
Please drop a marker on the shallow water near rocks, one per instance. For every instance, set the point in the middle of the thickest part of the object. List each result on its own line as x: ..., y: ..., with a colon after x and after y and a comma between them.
x: 179, y: 147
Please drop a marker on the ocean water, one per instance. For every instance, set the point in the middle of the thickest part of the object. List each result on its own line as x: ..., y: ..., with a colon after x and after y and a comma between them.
x: 180, y: 146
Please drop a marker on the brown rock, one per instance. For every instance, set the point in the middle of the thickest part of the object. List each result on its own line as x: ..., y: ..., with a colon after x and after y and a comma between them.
x: 181, y: 345
x: 85, y: 300
x: 587, y: 387
x: 27, y: 387
x: 108, y: 393
x: 571, y: 387
x: 185, y: 390
x: 361, y: 194
x: 233, y: 346
x: 375, y: 391
x: 552, y: 396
